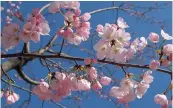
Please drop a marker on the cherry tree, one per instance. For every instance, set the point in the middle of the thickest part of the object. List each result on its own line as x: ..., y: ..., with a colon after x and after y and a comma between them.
x: 77, y: 58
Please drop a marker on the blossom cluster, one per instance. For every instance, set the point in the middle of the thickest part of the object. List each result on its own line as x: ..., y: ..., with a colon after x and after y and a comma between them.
x: 76, y: 27
x: 165, y: 52
x: 130, y: 89
x: 11, y: 96
x: 63, y: 84
x: 32, y: 29
x: 115, y: 43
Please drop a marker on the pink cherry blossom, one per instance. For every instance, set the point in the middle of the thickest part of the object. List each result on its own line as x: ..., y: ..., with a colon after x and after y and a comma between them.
x: 96, y: 86
x: 162, y: 100
x: 7, y: 93
x: 69, y: 16
x: 35, y: 36
x: 55, y: 85
x: 86, y: 16
x: 15, y: 96
x: 141, y: 89
x: 44, y: 86
x: 92, y: 73
x: 165, y: 62
x: 153, y: 37
x: 24, y: 36
x: 86, y: 24
x: 105, y: 80
x: 10, y: 29
x: 54, y: 7
x: 77, y: 12
x: 46, y: 95
x: 42, y: 95
x: 154, y: 64
x: 99, y: 28
x: 10, y: 100
x: 87, y: 61
x: 168, y: 49
x: 60, y: 76
x: 117, y: 92
x: 8, y: 42
x: 2, y: 93
x: 121, y: 23
x: 68, y: 32
x: 45, y: 29
x: 131, y: 96
x: 147, y: 77
x: 70, y: 4
x: 84, y: 85
x: 130, y: 53
x: 166, y: 36
x: 127, y: 83
x: 101, y: 48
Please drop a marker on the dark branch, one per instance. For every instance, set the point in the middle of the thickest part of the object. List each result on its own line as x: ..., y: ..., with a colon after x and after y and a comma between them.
x: 65, y: 56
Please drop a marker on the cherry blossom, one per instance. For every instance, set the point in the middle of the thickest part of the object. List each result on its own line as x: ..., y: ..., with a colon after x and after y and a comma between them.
x: 154, y: 64
x: 165, y: 35
x: 141, y: 89
x: 36, y: 26
x: 105, y: 80
x: 162, y: 100
x: 121, y: 23
x: 147, y: 77
x: 2, y: 93
x: 9, y: 36
x: 84, y: 85
x: 99, y: 28
x: 86, y: 16
x: 92, y: 73
x: 87, y: 61
x: 168, y: 49
x: 96, y: 86
x: 12, y: 98
x: 153, y: 37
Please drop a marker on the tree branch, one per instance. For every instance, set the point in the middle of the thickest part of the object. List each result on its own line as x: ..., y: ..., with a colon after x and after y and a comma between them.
x: 65, y: 56
x: 25, y: 77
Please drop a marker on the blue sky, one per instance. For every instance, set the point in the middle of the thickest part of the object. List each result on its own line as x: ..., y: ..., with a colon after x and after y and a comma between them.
x: 141, y: 28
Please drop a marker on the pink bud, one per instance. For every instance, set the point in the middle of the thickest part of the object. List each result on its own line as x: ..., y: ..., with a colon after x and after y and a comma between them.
x: 92, y: 73
x: 87, y: 61
x: 86, y: 16
x: 154, y: 64
x: 162, y: 100
x: 77, y: 12
x: 99, y: 28
x: 153, y: 37
x: 168, y: 49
